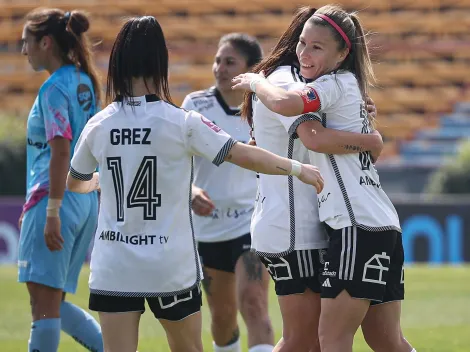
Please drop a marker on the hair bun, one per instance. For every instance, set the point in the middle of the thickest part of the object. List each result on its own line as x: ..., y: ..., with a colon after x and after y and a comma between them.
x: 78, y: 22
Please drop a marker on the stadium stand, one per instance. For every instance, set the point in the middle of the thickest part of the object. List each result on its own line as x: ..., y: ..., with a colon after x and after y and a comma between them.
x: 421, y: 49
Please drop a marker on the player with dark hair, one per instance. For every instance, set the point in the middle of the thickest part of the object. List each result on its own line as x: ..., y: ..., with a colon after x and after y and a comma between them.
x: 144, y: 247
x: 362, y: 278
x: 57, y: 226
x: 223, y: 200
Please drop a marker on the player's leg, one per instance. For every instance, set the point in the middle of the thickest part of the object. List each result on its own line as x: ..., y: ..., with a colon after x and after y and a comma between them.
x: 300, y: 315
x: 220, y: 287
x: 180, y: 316
x: 381, y: 326
x: 297, y: 287
x: 252, y: 294
x: 355, y: 273
x: 76, y: 322
x: 382, y: 330
x: 119, y: 319
x: 44, y: 272
x: 339, y: 320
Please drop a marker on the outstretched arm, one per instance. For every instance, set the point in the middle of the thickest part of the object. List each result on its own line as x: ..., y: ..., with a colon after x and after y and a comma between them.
x: 276, y: 99
x: 265, y: 162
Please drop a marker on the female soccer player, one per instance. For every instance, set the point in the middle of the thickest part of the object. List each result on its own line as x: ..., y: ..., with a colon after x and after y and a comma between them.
x: 223, y: 199
x: 144, y: 146
x: 363, y: 280
x: 56, y: 225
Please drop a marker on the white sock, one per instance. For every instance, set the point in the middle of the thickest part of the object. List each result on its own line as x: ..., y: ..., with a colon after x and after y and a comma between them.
x: 413, y: 350
x: 234, y: 347
x: 261, y: 348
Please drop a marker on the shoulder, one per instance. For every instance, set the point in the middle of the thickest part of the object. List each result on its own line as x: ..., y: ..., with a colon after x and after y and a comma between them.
x: 201, y: 99
x: 202, y: 94
x: 287, y: 77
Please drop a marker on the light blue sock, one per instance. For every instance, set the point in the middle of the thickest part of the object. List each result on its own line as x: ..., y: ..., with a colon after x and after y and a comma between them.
x: 45, y: 335
x: 81, y: 326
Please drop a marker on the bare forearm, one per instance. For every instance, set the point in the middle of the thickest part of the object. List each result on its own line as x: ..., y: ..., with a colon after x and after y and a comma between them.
x: 278, y: 99
x: 258, y: 160
x: 58, y: 168
x: 79, y: 186
x: 330, y: 141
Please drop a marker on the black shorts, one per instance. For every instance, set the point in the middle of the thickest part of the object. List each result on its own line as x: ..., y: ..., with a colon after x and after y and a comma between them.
x: 368, y: 265
x: 224, y: 255
x: 294, y: 273
x: 171, y: 308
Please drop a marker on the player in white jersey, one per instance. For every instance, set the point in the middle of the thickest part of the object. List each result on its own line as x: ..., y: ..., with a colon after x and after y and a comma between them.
x: 143, y: 146
x: 364, y: 265
x: 286, y: 229
x: 223, y: 200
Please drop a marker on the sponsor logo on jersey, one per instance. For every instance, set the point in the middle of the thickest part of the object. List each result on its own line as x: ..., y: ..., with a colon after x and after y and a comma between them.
x: 211, y: 125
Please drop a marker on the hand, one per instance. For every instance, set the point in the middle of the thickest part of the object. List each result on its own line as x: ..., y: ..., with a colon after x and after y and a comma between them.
x: 52, y: 234
x: 201, y: 203
x: 252, y: 142
x: 371, y: 108
x: 20, y: 220
x: 311, y: 175
x: 375, y: 153
x: 244, y: 80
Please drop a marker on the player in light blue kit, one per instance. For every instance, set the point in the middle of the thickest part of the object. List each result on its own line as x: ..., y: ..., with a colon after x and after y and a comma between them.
x: 57, y: 225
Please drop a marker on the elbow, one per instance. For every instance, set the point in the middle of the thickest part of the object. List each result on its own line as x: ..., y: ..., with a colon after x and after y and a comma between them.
x: 314, y: 144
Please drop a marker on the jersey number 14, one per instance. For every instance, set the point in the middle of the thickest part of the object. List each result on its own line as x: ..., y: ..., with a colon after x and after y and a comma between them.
x: 143, y: 192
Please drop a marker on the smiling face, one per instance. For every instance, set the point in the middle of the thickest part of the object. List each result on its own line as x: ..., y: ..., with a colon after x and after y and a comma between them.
x: 36, y: 51
x: 318, y: 51
x: 228, y: 63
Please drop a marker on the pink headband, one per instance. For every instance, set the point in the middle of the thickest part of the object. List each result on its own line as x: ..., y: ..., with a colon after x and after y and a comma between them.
x: 338, y: 28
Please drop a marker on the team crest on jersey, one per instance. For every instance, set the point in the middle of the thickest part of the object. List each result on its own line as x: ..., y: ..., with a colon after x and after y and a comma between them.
x: 309, y: 94
x: 211, y: 125
x: 84, y: 96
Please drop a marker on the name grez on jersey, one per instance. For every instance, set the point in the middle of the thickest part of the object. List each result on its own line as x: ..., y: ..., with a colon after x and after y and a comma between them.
x: 136, y: 240
x: 129, y: 136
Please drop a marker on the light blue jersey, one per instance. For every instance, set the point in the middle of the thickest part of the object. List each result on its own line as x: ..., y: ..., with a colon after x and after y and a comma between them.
x: 65, y: 103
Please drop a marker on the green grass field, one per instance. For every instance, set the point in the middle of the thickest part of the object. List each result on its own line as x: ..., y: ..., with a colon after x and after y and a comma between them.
x: 436, y: 313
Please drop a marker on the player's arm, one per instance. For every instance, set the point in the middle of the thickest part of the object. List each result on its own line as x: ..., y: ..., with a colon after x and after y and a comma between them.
x: 265, y: 162
x: 82, y: 177
x: 204, y: 138
x: 55, y: 110
x: 83, y: 186
x: 329, y: 141
x: 276, y: 99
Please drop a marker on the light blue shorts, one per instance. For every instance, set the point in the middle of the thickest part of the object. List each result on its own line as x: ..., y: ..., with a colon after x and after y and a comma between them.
x: 58, y: 269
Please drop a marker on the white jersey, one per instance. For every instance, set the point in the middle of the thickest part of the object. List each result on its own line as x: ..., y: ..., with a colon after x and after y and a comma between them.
x: 231, y: 188
x: 144, y: 244
x: 286, y: 212
x: 352, y: 195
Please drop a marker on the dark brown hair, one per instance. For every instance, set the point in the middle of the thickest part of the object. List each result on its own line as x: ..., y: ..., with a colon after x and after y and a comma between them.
x: 283, y: 53
x: 139, y: 51
x: 246, y: 45
x: 68, y: 31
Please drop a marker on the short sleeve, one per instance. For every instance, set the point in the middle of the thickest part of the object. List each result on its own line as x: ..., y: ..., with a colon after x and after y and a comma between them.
x: 292, y: 122
x: 326, y: 89
x: 83, y: 163
x: 55, y: 110
x: 188, y: 104
x: 206, y: 139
